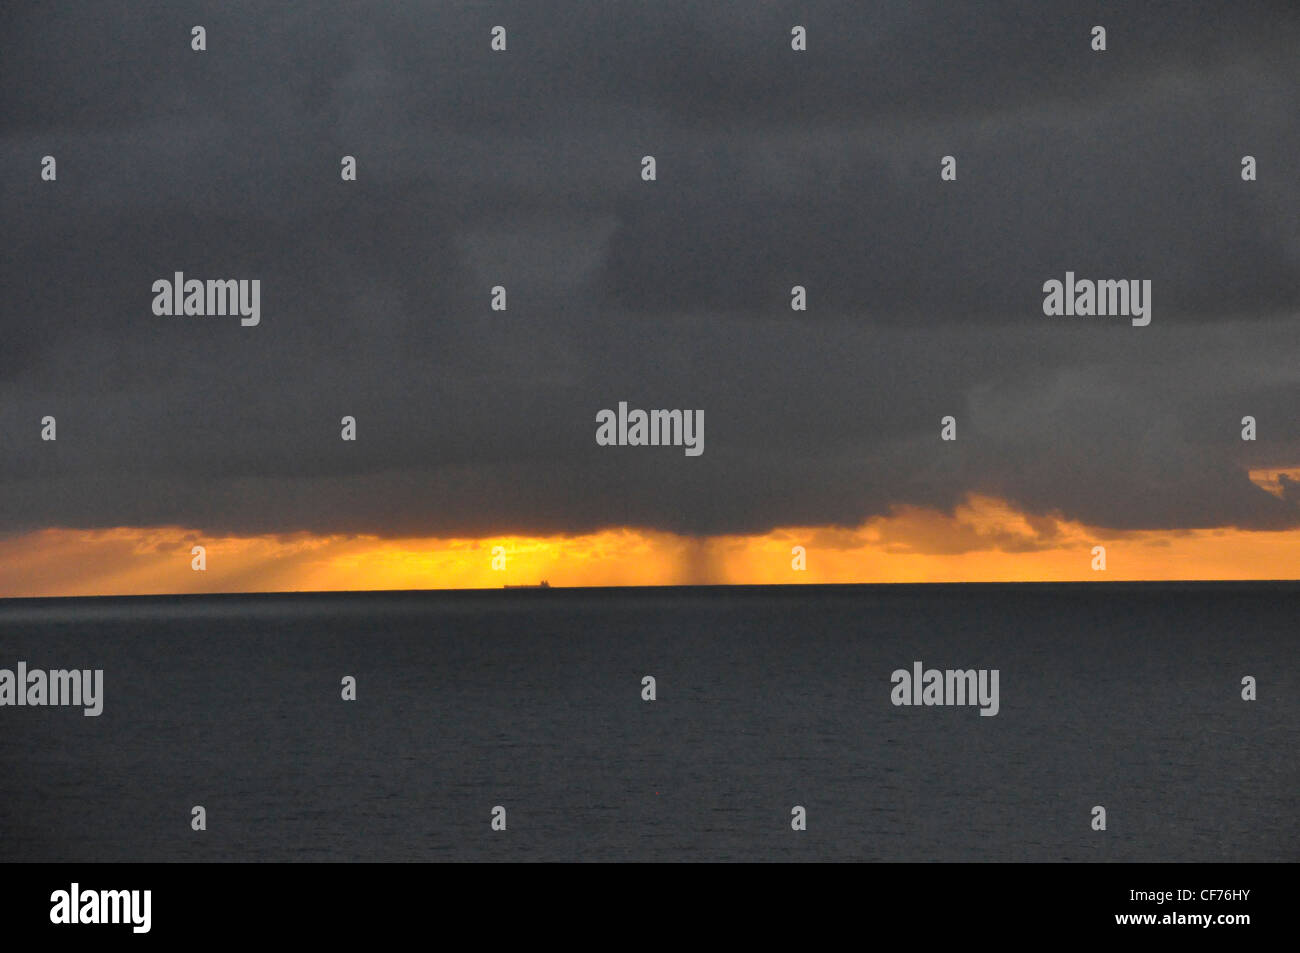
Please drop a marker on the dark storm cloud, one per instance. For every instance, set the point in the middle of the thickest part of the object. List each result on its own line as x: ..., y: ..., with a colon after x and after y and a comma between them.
x: 522, y: 169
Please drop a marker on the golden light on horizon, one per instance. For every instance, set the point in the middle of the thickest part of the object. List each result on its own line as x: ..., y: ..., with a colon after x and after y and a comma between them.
x: 983, y: 540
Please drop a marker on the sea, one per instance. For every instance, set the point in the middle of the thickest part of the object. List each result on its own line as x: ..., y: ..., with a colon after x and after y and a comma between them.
x: 518, y: 725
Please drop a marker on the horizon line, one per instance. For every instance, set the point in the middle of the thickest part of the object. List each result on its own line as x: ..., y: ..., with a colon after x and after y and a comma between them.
x: 528, y: 589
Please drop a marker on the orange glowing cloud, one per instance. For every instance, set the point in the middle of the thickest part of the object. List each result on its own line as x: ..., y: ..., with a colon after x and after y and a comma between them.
x: 984, y: 540
x: 1271, y: 479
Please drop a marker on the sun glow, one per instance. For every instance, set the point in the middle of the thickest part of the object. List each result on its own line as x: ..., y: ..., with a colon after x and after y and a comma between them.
x: 983, y: 540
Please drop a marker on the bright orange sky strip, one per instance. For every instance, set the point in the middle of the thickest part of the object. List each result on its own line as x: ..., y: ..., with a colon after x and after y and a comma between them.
x: 984, y: 540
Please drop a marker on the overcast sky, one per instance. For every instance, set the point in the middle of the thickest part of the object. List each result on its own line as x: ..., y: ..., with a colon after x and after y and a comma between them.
x: 522, y: 169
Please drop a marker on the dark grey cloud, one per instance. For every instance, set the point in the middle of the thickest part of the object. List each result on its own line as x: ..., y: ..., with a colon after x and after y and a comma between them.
x: 522, y: 169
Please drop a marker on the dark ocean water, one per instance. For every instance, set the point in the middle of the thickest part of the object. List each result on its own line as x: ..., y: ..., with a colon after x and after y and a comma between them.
x: 1125, y: 696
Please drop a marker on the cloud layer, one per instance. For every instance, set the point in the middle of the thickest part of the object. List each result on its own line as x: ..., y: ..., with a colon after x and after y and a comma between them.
x: 522, y: 169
